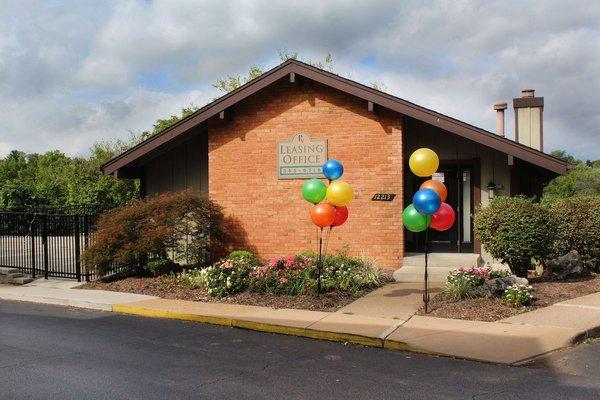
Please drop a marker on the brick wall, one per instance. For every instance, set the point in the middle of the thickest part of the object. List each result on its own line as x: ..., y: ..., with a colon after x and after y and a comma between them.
x: 272, y: 217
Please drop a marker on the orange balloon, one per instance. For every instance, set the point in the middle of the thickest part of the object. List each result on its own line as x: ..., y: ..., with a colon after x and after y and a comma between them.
x: 322, y: 214
x: 437, y: 186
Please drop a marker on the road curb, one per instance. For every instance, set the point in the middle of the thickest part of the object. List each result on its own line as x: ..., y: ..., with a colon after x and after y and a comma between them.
x: 153, y: 313
x: 252, y: 325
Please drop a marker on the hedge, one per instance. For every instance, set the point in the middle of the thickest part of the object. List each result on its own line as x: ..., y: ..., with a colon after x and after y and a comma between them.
x: 515, y: 230
x: 578, y: 228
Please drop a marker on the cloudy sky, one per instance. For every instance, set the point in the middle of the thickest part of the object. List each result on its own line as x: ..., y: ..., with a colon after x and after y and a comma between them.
x: 76, y: 72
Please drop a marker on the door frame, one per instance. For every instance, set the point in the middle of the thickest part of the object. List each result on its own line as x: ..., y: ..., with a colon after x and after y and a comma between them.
x: 475, y: 164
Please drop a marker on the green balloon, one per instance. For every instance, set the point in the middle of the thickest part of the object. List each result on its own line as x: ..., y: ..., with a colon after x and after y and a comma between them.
x: 314, y: 190
x: 414, y: 221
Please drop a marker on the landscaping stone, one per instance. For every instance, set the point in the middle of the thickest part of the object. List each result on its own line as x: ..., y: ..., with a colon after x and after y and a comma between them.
x: 497, y: 286
x: 569, y: 265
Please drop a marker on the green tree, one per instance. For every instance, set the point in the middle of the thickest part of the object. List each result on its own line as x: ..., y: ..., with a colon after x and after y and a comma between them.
x: 162, y: 124
x: 563, y: 155
x: 582, y: 180
x: 232, y: 82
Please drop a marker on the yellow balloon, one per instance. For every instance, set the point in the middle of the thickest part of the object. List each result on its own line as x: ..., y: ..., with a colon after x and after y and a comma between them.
x: 423, y: 162
x: 339, y: 193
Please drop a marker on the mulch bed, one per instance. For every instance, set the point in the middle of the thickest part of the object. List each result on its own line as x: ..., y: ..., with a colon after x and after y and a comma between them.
x: 168, y: 289
x: 544, y: 292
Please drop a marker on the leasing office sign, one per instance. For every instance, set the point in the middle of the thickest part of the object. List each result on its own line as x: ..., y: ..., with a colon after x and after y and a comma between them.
x: 301, y: 157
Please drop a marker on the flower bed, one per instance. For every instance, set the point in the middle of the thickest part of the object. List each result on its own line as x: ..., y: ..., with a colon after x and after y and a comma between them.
x: 283, y: 282
x: 543, y: 293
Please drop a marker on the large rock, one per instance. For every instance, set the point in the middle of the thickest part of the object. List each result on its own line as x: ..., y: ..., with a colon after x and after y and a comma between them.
x: 569, y: 265
x: 497, y: 286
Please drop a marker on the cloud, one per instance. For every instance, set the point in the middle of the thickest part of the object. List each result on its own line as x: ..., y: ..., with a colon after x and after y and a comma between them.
x: 80, y: 71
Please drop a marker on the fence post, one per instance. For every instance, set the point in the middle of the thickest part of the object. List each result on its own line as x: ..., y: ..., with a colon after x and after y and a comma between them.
x: 33, y: 232
x: 86, y: 242
x: 76, y: 219
x: 45, y: 243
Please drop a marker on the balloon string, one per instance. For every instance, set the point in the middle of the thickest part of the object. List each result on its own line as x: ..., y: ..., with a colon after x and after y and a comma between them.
x: 327, y: 239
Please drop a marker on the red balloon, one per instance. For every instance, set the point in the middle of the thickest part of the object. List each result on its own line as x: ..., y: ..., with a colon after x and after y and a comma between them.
x: 443, y: 219
x: 340, y: 216
x: 322, y: 214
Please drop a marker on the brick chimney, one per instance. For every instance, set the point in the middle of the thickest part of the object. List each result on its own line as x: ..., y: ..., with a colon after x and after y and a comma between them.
x: 529, y: 119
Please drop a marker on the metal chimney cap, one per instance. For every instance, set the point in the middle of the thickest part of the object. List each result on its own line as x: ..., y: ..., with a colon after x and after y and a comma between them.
x: 527, y: 93
x: 500, y: 105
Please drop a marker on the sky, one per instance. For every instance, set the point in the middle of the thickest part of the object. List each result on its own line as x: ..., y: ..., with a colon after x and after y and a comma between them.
x: 76, y: 72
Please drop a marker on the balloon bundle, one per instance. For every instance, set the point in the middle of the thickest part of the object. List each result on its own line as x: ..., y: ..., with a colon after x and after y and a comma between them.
x: 428, y: 209
x: 334, y: 211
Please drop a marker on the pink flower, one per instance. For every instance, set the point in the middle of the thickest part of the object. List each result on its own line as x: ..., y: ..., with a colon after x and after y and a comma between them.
x: 273, y: 262
x: 227, y: 264
x: 289, y: 262
x: 283, y: 280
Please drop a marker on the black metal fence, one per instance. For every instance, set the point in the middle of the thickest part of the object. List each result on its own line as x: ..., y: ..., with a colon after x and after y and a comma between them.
x: 47, y: 244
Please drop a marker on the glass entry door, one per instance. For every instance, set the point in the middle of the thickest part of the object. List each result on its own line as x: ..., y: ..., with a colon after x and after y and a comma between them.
x: 458, y: 239
x: 457, y: 179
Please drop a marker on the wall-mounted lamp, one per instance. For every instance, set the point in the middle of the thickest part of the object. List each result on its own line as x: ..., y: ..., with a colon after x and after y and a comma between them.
x: 492, y: 187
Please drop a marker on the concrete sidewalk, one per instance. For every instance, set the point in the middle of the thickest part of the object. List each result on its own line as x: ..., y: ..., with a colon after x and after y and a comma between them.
x: 371, y: 321
x: 62, y: 292
x: 399, y: 300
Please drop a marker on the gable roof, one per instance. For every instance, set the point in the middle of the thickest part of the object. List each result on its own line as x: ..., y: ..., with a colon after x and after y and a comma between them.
x: 385, y: 100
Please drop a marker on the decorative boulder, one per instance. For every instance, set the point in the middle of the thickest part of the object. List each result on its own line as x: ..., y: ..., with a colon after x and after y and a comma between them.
x: 569, y: 265
x: 497, y: 286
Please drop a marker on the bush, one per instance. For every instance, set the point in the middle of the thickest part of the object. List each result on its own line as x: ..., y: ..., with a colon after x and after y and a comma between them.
x: 349, y: 274
x: 161, y: 266
x: 499, y: 274
x: 583, y: 180
x: 243, y: 254
x: 291, y: 275
x: 190, y: 278
x: 294, y: 275
x: 515, y: 230
x: 578, y: 222
x: 517, y: 296
x: 181, y: 224
x: 461, y: 283
x: 226, y: 277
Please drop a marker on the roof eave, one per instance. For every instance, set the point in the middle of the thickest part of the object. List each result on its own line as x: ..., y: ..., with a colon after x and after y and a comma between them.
x: 354, y: 88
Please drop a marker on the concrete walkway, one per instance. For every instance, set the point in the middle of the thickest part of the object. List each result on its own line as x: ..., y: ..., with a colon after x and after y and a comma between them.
x: 399, y: 300
x: 371, y: 321
x: 62, y: 292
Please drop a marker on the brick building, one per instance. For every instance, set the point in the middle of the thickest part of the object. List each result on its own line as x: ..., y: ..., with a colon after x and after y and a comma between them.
x: 232, y: 151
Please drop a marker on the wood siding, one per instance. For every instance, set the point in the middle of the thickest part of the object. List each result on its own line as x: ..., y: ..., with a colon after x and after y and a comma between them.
x: 182, y: 167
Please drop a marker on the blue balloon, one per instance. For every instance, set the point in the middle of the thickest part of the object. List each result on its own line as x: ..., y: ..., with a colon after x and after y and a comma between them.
x: 427, y: 201
x: 333, y: 169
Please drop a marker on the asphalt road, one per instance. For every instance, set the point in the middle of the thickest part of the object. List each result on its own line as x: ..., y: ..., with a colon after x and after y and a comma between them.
x: 49, y: 352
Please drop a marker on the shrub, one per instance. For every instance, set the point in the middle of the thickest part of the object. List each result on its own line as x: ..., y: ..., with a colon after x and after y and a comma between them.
x: 515, y: 230
x: 243, y: 254
x: 517, y: 296
x: 161, y: 266
x: 478, y: 275
x: 226, y: 277
x: 350, y: 274
x: 182, y: 224
x: 578, y: 222
x: 294, y: 275
x: 499, y: 274
x: 291, y: 275
x: 583, y: 180
x: 191, y: 278
x: 460, y: 285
